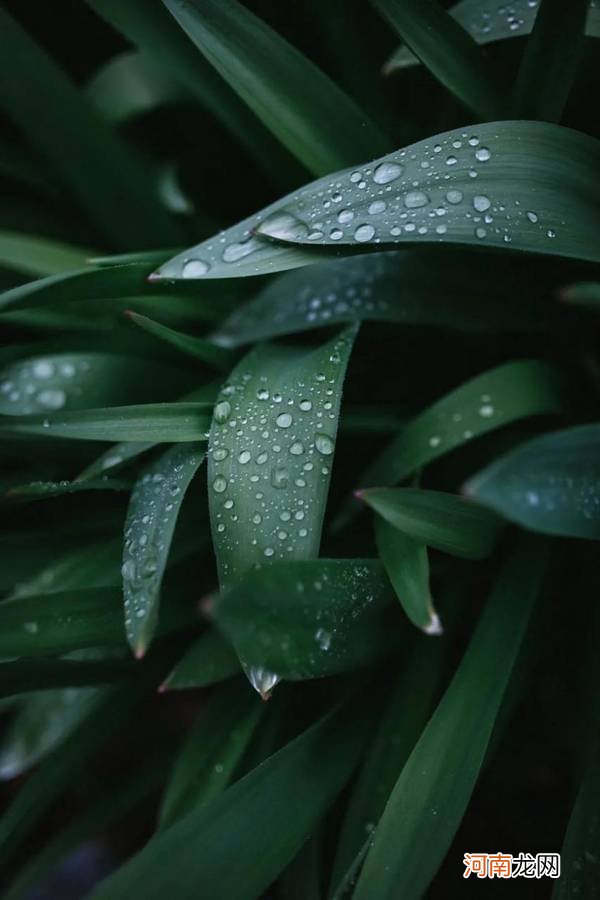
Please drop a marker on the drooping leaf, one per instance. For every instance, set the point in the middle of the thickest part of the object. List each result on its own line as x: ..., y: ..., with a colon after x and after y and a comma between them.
x: 208, y: 660
x: 304, y: 776
x: 401, y: 724
x: 487, y: 22
x: 130, y: 85
x: 40, y: 98
x: 43, y: 384
x: 61, y: 622
x: 448, y: 51
x: 308, y: 619
x: 527, y: 186
x: 44, y: 719
x: 156, y: 422
x: 438, y: 519
x: 151, y: 518
x: 211, y: 751
x: 512, y: 391
x: 154, y: 32
x: 39, y: 256
x: 202, y: 349
x: 294, y: 99
x: 580, y: 871
x: 551, y: 60
x: 550, y: 484
x: 407, y: 566
x: 271, y: 451
x: 408, y: 287
x: 429, y: 799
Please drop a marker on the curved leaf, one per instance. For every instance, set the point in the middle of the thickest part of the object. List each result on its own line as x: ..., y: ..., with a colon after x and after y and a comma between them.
x: 41, y: 489
x: 308, y: 619
x: 250, y: 822
x: 408, y: 287
x: 527, y: 186
x: 211, y: 752
x: 200, y: 348
x: 447, y: 50
x: 407, y: 566
x: 293, y: 98
x: 208, y: 660
x: 38, y: 255
x: 427, y: 804
x: 438, y: 519
x: 271, y: 451
x: 486, y: 22
x: 131, y: 85
x: 550, y: 484
x: 151, y: 518
x: 156, y: 422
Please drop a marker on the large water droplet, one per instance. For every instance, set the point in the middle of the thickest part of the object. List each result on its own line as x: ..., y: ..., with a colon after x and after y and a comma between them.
x: 454, y: 196
x: 482, y: 154
x: 222, y: 412
x: 51, y: 398
x: 43, y: 369
x: 415, y: 199
x: 386, y: 172
x: 219, y: 484
x: 364, y: 233
x: 324, y: 444
x: 283, y: 226
x: 284, y: 420
x: 194, y: 268
x: 481, y: 203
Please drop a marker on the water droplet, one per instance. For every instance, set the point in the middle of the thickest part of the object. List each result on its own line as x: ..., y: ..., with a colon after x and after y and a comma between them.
x: 51, y: 398
x: 43, y: 369
x: 364, y: 233
x: 454, y: 196
x: 480, y: 232
x: 482, y: 154
x: 386, y: 172
x: 415, y: 199
x: 481, y: 203
x: 336, y: 234
x: 262, y: 394
x: 378, y: 206
x: 451, y: 160
x: 257, y: 518
x: 233, y: 252
x: 194, y: 268
x: 244, y: 457
x: 486, y: 410
x: 324, y: 444
x: 323, y: 639
x: 434, y: 440
x: 284, y: 420
x: 220, y: 454
x: 532, y: 217
x: 296, y: 449
x: 219, y: 484
x: 269, y: 551
x: 222, y: 412
x: 345, y: 216
x: 305, y: 405
x: 280, y: 478
x: 283, y: 226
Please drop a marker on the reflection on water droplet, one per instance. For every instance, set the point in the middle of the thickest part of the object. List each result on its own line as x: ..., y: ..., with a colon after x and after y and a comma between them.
x: 284, y: 226
x: 296, y: 449
x: 219, y: 484
x: 194, y: 268
x: 483, y: 154
x: 220, y: 454
x: 244, y: 457
x: 345, y: 216
x: 222, y: 412
x: 324, y: 444
x: 378, y: 206
x: 415, y: 199
x: 454, y: 196
x: 364, y: 233
x: 280, y: 478
x: 532, y: 217
x: 386, y: 172
x: 284, y: 420
x: 51, y: 398
x: 305, y: 405
x: 43, y: 369
x: 481, y: 203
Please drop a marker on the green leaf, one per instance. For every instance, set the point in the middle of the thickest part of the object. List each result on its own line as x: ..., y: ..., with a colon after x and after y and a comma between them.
x: 309, y: 619
x: 429, y: 799
x: 60, y: 622
x: 114, y: 458
x: 152, y: 29
x: 438, y: 519
x: 407, y: 566
x: 131, y: 85
x: 39, y: 490
x: 549, y: 484
x: 43, y: 384
x: 44, y: 719
x: 95, y: 564
x: 584, y: 293
x: 508, y: 393
x: 489, y: 22
x: 250, y: 822
x: 151, y: 518
x: 269, y: 473
x: 211, y: 751
x: 40, y: 98
x: 526, y: 186
x: 579, y: 855
x: 408, y: 287
x: 208, y: 660
x: 156, y: 422
x: 200, y: 348
x: 407, y: 712
x: 23, y: 676
x: 37, y: 255
x: 312, y: 117
x: 551, y: 60
x: 448, y: 51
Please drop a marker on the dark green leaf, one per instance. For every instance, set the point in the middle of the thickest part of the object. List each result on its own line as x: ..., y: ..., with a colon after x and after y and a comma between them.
x: 427, y: 804
x: 297, y: 620
x: 211, y: 752
x: 580, y: 869
x: 210, y: 659
x: 23, y: 676
x: 151, y: 518
x: 294, y: 99
x: 550, y: 484
x: 39, y: 256
x: 447, y: 50
x: 551, y: 60
x: 440, y: 520
x: 249, y: 823
x: 114, y: 458
x: 202, y: 349
x: 132, y: 84
x: 39, y: 490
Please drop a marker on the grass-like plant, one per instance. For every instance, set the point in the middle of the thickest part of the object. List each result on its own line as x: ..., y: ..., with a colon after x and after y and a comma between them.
x: 298, y: 517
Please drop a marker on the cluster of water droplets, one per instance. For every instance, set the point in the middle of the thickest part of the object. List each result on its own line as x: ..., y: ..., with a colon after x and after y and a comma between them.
x: 577, y: 495
x: 153, y: 511
x: 41, y: 385
x: 270, y: 456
